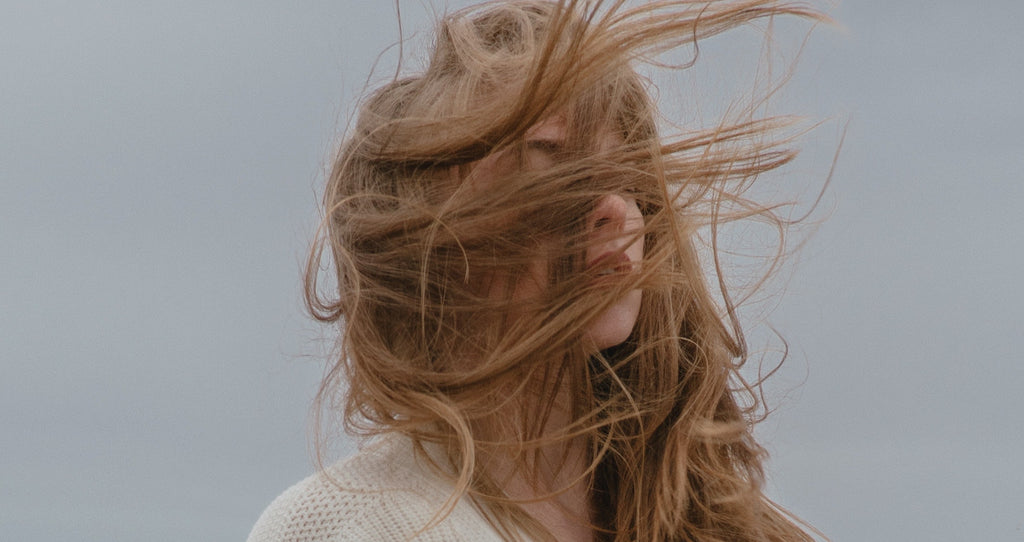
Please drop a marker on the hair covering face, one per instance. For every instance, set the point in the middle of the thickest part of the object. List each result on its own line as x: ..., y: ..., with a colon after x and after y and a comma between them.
x: 512, y: 241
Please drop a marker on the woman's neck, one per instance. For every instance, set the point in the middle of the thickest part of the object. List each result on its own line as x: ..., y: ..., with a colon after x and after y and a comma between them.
x: 554, y: 487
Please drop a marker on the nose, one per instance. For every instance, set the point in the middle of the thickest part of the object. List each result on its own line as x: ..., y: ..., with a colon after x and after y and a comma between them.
x: 613, y: 216
x: 611, y: 225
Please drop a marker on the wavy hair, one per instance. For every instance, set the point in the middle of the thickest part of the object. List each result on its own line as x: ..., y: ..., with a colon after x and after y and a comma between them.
x: 414, y: 248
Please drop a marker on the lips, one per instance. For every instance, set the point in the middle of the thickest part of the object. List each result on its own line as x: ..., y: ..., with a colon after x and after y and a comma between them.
x: 611, y: 263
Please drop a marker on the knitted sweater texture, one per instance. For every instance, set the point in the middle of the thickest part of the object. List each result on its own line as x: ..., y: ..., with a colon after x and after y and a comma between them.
x: 383, y: 493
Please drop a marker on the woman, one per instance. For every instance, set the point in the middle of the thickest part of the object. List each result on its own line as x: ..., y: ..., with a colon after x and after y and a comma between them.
x: 526, y: 325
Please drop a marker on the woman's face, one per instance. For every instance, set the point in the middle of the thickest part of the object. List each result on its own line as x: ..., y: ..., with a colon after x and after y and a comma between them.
x: 616, y: 249
x: 613, y: 247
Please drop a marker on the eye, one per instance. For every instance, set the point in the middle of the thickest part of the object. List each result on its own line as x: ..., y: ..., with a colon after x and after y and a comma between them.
x: 631, y: 190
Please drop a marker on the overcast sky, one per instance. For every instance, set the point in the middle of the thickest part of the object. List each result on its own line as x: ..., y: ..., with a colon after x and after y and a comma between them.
x: 159, y: 168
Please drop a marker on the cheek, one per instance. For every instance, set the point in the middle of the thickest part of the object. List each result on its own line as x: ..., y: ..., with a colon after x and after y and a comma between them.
x: 530, y: 284
x: 533, y: 282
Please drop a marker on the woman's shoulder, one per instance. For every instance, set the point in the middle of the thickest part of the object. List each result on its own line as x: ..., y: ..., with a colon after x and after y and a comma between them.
x: 384, y: 492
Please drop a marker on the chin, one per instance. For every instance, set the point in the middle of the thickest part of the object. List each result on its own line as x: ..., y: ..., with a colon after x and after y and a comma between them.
x: 616, y: 324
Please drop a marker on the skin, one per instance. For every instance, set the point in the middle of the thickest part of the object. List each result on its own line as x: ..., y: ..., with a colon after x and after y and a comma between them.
x: 612, y: 228
x: 612, y: 225
x: 614, y: 246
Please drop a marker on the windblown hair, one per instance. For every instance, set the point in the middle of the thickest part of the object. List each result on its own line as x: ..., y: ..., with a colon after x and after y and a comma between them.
x: 418, y: 249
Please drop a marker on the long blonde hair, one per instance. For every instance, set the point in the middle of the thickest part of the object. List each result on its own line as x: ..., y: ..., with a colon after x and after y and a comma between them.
x: 427, y: 351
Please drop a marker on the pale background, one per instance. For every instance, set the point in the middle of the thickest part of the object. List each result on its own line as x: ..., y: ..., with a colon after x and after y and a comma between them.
x: 159, y: 164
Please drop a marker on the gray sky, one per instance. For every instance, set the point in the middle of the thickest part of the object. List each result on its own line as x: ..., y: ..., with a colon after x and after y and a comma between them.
x: 158, y: 172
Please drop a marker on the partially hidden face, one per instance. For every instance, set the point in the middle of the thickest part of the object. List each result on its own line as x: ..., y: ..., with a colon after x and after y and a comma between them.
x: 613, y: 246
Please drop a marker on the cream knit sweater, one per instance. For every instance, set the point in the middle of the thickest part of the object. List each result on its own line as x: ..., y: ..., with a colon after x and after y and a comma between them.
x: 383, y: 493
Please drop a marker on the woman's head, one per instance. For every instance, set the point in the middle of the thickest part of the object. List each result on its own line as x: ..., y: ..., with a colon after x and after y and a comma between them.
x: 507, y: 228
x: 465, y: 208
